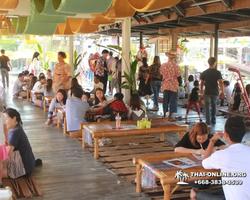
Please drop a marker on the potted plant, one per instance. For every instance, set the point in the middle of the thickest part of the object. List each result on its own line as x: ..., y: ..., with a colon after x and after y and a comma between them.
x: 77, y: 60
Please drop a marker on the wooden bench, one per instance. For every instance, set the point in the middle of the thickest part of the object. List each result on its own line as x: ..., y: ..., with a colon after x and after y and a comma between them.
x: 63, y: 114
x: 32, y: 92
x: 45, y: 100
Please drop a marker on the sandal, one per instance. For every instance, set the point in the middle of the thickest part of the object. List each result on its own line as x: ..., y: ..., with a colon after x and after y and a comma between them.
x: 172, y: 119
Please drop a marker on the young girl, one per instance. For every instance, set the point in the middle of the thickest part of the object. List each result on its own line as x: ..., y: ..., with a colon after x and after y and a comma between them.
x: 3, y: 138
x: 189, y: 85
x: 144, y: 85
x: 41, y: 75
x: 193, y: 100
x: 136, y: 110
x: 57, y: 102
x: 48, y: 92
x: 99, y: 98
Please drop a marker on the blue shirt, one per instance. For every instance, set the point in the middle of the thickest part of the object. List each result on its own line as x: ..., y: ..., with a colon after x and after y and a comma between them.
x: 75, y: 113
x: 19, y: 140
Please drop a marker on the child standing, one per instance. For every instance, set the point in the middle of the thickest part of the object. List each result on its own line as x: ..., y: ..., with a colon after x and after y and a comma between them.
x: 193, y: 100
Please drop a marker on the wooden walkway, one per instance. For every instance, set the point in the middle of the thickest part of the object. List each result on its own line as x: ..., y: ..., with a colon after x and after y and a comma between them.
x: 68, y: 171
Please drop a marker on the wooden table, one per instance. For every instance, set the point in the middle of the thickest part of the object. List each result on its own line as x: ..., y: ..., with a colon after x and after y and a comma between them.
x: 63, y: 114
x: 98, y: 130
x: 47, y: 99
x: 167, y: 177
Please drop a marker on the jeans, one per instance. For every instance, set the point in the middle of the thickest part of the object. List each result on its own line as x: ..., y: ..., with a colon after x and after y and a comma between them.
x: 210, y: 196
x: 170, y: 98
x: 211, y: 100
x: 156, y: 86
x: 5, y: 74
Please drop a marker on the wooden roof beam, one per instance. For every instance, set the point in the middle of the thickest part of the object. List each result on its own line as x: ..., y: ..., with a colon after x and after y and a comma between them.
x: 201, y: 7
x: 179, y: 10
x: 195, y: 11
x: 227, y: 3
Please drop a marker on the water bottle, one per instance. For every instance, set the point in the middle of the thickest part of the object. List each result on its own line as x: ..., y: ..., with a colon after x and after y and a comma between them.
x: 146, y: 117
x: 118, y: 121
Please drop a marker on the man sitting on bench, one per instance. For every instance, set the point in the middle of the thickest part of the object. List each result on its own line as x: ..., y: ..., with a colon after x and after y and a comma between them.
x: 17, y: 88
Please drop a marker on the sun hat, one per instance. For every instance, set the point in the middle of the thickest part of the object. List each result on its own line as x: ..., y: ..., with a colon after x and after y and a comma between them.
x: 171, y: 53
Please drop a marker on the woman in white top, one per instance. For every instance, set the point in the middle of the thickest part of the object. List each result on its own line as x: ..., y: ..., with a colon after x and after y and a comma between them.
x: 3, y: 97
x: 189, y: 85
x: 35, y: 65
x: 136, y: 110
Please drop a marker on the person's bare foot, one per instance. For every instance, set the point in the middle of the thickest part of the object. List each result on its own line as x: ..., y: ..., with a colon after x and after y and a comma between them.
x: 20, y: 97
x: 193, y: 194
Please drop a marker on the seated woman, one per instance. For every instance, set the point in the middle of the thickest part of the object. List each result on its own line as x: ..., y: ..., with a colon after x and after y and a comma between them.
x: 74, y: 84
x: 136, y: 110
x: 197, y: 140
x: 41, y: 75
x: 32, y: 82
x: 57, y: 102
x: 21, y: 160
x: 100, y: 99
x: 47, y: 92
x: 243, y: 108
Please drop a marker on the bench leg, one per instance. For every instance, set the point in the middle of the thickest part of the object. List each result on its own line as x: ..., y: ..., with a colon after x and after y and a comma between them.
x: 44, y: 105
x: 181, y: 135
x: 138, y: 178
x: 166, y: 189
x: 96, y: 147
x: 65, y: 125
x: 162, y: 136
x: 58, y: 120
x: 83, y: 139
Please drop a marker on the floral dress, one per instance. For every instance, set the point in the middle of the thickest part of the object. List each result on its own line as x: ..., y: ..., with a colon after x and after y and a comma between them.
x: 61, y: 72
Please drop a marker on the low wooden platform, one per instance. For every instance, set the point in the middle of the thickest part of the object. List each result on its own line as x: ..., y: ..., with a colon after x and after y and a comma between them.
x: 232, y: 113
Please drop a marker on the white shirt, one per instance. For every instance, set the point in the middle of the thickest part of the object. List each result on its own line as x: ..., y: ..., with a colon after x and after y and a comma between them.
x: 190, y: 86
x: 17, y: 87
x: 38, y: 87
x: 233, y: 159
x: 98, y: 85
x: 228, y: 92
x: 2, y: 122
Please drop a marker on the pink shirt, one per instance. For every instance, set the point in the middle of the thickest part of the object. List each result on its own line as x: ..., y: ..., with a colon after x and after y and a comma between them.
x: 170, y: 71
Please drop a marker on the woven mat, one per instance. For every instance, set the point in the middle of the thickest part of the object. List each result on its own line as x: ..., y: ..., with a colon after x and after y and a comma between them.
x: 25, y: 187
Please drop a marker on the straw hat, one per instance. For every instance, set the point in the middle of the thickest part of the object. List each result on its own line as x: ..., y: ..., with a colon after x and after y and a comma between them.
x: 172, y: 54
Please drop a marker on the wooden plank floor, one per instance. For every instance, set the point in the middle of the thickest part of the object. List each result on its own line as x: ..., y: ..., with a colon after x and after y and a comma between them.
x: 68, y: 171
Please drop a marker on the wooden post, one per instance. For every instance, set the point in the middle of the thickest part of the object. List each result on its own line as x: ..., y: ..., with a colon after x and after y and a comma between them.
x: 138, y: 178
x: 141, y: 38
x: 216, y: 41
x: 211, y: 45
x: 162, y: 136
x: 166, y: 189
x: 174, y: 41
x: 71, y: 50
x: 126, y: 33
x: 96, y: 147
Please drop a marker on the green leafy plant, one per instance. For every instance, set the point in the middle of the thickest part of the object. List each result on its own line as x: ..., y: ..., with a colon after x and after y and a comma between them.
x: 45, y: 61
x: 130, y: 82
x: 77, y: 61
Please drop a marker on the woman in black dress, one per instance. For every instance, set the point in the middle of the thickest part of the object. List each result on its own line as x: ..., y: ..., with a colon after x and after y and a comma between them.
x: 144, y: 85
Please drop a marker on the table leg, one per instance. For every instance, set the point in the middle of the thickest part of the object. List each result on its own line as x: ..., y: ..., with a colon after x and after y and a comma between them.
x: 44, y: 105
x: 65, y: 125
x: 138, y: 178
x: 83, y: 139
x: 166, y: 189
x: 162, y: 136
x: 181, y: 135
x: 58, y: 120
x: 96, y: 147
